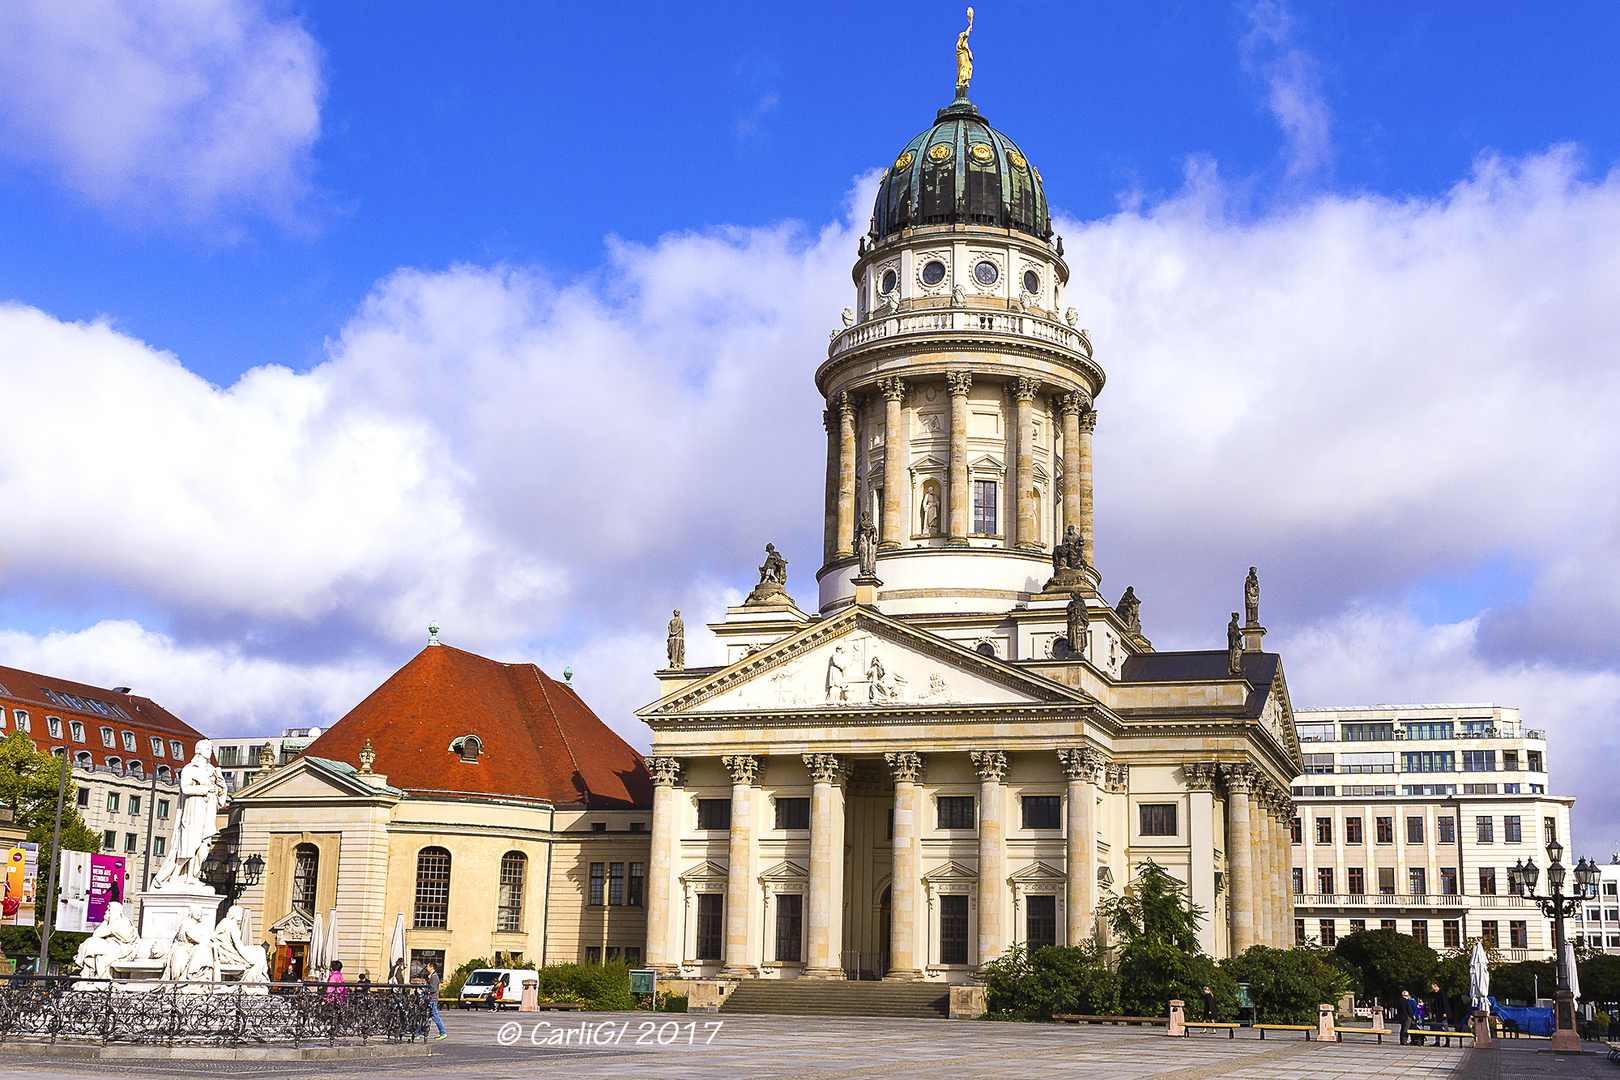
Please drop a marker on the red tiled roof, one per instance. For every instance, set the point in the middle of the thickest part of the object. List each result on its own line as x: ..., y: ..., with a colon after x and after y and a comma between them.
x: 540, y: 741
x: 44, y: 695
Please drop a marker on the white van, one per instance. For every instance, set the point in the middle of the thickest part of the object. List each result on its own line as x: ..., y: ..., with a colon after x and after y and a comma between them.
x: 493, y: 988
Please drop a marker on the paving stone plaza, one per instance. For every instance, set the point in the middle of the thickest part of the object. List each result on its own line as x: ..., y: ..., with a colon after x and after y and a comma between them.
x: 805, y: 1048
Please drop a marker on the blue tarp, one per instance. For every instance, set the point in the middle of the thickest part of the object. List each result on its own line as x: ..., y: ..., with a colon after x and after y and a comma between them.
x: 1530, y: 1021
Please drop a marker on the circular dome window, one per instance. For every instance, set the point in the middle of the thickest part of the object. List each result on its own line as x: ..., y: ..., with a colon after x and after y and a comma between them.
x: 933, y: 272
x: 890, y: 280
x: 1032, y: 282
x: 986, y: 273
x: 985, y: 649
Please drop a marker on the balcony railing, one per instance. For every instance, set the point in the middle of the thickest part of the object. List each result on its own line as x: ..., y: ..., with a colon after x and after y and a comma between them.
x: 952, y: 320
x: 1380, y: 900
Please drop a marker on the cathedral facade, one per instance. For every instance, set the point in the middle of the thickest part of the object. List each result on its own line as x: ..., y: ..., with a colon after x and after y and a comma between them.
x: 964, y: 745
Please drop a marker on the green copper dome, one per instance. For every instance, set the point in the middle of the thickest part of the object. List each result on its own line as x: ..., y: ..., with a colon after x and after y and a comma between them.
x: 961, y: 170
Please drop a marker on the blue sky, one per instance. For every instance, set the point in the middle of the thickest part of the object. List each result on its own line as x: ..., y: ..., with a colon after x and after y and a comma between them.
x: 318, y: 322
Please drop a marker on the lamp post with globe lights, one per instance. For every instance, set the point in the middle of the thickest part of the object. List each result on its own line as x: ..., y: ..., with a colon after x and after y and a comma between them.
x: 1523, y: 878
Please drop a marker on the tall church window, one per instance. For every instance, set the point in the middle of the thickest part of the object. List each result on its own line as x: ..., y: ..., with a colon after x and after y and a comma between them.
x: 710, y: 925
x: 789, y: 926
x: 513, y: 866
x: 953, y: 929
x: 1041, y: 925
x: 432, y: 889
x: 306, y: 872
x: 984, y: 507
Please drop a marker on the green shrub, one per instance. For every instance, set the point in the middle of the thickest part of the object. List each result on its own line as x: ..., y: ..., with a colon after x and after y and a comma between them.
x: 1050, y: 981
x: 1287, y: 985
x: 452, y: 985
x: 1152, y: 973
x: 602, y: 987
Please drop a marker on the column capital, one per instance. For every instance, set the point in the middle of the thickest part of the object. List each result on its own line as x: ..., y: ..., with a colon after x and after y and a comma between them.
x: 1200, y: 775
x: 906, y: 765
x: 1082, y: 763
x: 1088, y: 421
x: 666, y: 771
x: 1239, y: 777
x: 893, y: 387
x: 1024, y: 388
x: 991, y: 764
x: 1119, y: 778
x: 824, y: 768
x: 1071, y: 402
x: 844, y: 402
x: 829, y: 420
x: 960, y: 381
x: 742, y: 767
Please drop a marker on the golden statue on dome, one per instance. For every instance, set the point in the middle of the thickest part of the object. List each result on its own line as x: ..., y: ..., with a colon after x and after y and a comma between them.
x: 964, y: 57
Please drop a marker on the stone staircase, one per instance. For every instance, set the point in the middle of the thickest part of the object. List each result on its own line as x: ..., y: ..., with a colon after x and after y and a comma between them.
x: 806, y: 997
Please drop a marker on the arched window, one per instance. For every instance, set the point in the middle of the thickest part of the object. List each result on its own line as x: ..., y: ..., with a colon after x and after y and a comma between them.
x: 136, y: 769
x: 163, y: 773
x: 432, y: 889
x: 81, y: 759
x: 306, y: 873
x: 509, y: 916
x: 115, y: 764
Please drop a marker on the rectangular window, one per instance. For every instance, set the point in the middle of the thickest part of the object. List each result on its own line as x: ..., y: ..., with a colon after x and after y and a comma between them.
x: 1043, y: 811
x: 1358, y: 880
x: 1386, y: 830
x: 1299, y: 880
x: 177, y: 751
x: 789, y: 927
x: 1518, y: 934
x: 612, y: 953
x: 632, y: 956
x: 53, y: 725
x: 1534, y: 758
x: 1041, y: 925
x: 1318, y: 764
x: 163, y: 809
x: 956, y: 812
x: 1324, y: 831
x: 106, y: 736
x: 1158, y: 819
x: 1367, y: 763
x: 598, y: 884
x: 593, y: 954
x: 638, y: 885
x: 130, y: 840
x: 1487, y: 881
x: 711, y: 925
x: 1420, y: 931
x: 134, y: 804
x: 1479, y: 760
x: 615, y: 884
x: 1299, y: 931
x: 1414, y: 830
x: 1510, y: 761
x: 1447, y: 827
x: 157, y: 751
x: 159, y: 843
x: 792, y: 813
x: 75, y: 728
x: 714, y: 814
x: 1324, y: 879
x: 1451, y: 933
x: 953, y: 929
x: 984, y: 509
x: 1316, y: 732
x: 1374, y: 732
x: 1487, y: 930
x: 1448, y: 881
x: 1386, y: 924
x: 1352, y: 830
x: 1512, y: 831
x: 109, y: 840
x: 1485, y: 830
x: 1295, y: 831
x: 82, y: 796
x: 1386, y: 880
x: 112, y: 802
x: 1609, y: 888
x: 1433, y: 730
x: 1429, y: 761
x: 22, y: 720
x: 129, y: 741
x: 1418, y: 878
x: 1328, y: 936
x: 1549, y: 830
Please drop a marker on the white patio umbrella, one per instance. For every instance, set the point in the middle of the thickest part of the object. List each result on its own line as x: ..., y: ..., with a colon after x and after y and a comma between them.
x: 313, y: 957
x: 1569, y: 962
x: 1479, y: 979
x: 396, y: 949
x: 329, y: 952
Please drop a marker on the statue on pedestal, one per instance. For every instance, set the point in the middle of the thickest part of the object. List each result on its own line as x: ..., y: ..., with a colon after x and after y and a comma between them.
x: 1130, y: 610
x: 1251, y: 599
x: 866, y: 546
x: 676, y: 643
x: 1068, y: 562
x: 1079, y: 627
x: 202, y: 795
x: 1234, y: 647
x: 772, y: 587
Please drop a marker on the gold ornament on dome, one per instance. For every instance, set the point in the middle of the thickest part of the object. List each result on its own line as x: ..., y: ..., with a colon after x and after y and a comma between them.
x: 904, y: 160
x: 1036, y: 171
x: 939, y: 151
x: 884, y: 177
x: 964, y: 57
x: 981, y: 151
x: 1017, y: 159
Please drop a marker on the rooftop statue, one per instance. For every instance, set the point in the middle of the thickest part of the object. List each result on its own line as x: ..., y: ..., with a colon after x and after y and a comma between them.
x: 1251, y: 599
x: 964, y: 57
x: 676, y: 643
x: 772, y: 587
x: 1234, y: 647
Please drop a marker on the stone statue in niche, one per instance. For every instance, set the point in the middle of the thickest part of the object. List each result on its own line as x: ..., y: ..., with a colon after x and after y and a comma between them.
x: 930, y: 513
x: 676, y: 643
x: 1079, y: 626
x: 1234, y: 647
x: 1130, y: 610
x: 958, y: 296
x: 883, y: 684
x: 866, y: 545
x: 772, y: 587
x: 837, y: 676
x: 1251, y: 598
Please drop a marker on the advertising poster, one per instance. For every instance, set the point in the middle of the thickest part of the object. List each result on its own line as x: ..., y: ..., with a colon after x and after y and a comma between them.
x: 106, y: 885
x: 73, y: 893
x: 22, y: 869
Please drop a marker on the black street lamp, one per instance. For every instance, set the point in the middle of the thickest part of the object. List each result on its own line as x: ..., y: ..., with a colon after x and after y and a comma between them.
x: 1556, y: 906
x: 232, y: 874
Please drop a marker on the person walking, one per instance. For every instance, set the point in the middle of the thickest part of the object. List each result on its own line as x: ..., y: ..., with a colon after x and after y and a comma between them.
x: 1437, y: 1011
x: 1403, y: 1013
x: 336, y: 991
x: 1209, y: 1006
x: 431, y: 992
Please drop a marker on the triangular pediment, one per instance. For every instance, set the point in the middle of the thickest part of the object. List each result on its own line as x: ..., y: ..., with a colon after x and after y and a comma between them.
x: 1039, y: 872
x: 705, y: 871
x: 1277, y: 717
x: 862, y: 660
x: 314, y: 779
x: 785, y: 871
x: 952, y: 871
x: 293, y: 926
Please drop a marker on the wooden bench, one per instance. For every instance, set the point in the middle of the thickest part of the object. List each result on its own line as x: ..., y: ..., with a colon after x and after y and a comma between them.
x: 1076, y: 1018
x: 1614, y: 1050
x: 560, y: 1005
x: 1306, y: 1028
x: 1341, y: 1032
x: 1212, y: 1025
x: 1430, y: 1035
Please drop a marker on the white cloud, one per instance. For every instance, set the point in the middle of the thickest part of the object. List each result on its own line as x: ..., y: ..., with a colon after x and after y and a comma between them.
x: 1293, y: 82
x: 158, y: 109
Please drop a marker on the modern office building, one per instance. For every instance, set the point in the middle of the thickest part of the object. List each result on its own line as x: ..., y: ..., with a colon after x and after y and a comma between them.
x: 1408, y: 818
x: 239, y: 759
x: 1597, y: 923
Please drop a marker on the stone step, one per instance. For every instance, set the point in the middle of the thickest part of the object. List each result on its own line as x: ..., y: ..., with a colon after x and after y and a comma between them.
x: 805, y: 997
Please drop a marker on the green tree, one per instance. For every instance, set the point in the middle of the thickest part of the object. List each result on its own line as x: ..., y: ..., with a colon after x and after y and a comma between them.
x: 28, y: 784
x: 1287, y: 985
x: 1599, y: 978
x: 1524, y: 980
x: 1152, y: 973
x: 1051, y: 981
x: 1154, y: 910
x: 1389, y: 962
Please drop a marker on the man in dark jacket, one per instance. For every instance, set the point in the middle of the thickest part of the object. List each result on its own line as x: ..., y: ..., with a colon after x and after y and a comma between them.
x: 1438, y: 1013
x: 1403, y: 1013
x: 1209, y: 1006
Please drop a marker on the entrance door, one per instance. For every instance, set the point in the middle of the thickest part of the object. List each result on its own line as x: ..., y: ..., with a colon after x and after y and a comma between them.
x: 885, y: 910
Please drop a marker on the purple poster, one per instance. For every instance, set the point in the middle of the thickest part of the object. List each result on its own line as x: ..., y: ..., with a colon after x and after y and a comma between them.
x: 106, y: 885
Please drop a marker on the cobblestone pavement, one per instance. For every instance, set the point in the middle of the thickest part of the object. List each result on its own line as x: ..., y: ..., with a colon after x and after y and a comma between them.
x: 821, y: 1048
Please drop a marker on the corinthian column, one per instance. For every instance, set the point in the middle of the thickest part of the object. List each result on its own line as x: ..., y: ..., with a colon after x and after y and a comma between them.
x: 1285, y: 867
x: 739, y: 898
x: 826, y: 909
x: 1024, y: 391
x: 829, y: 540
x: 907, y: 768
x: 1083, y: 766
x: 663, y: 949
x: 844, y: 543
x: 1088, y: 424
x: 1072, y: 405
x: 961, y: 499
x: 1200, y: 824
x: 1260, y: 818
x: 992, y: 766
x: 894, y: 463
x: 1240, y: 854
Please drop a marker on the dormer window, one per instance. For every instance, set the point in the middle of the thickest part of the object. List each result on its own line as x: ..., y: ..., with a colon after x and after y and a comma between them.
x: 54, y: 725
x: 106, y: 736
x: 468, y: 747
x: 129, y: 741
x: 157, y: 746
x: 76, y: 728
x: 176, y: 750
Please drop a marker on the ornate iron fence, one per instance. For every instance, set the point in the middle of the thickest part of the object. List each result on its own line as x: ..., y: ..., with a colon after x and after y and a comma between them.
x: 211, y: 1014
